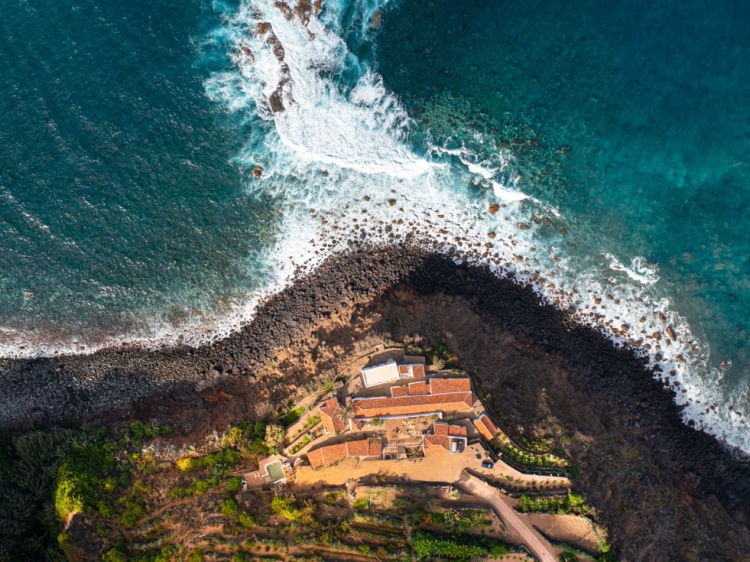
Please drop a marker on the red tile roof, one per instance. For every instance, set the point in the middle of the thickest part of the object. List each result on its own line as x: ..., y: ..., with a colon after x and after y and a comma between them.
x: 403, y: 369
x: 436, y: 441
x: 357, y: 448
x: 441, y: 386
x: 404, y: 405
x: 375, y: 449
x: 420, y: 387
x: 452, y: 430
x: 334, y: 423
x: 330, y: 454
x: 399, y: 391
x: 418, y: 371
x: 485, y: 427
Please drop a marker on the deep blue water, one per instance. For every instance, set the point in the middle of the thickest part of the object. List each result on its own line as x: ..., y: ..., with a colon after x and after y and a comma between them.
x: 129, y: 131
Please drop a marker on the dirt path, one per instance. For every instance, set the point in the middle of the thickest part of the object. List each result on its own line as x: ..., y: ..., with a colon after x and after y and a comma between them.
x: 533, y: 541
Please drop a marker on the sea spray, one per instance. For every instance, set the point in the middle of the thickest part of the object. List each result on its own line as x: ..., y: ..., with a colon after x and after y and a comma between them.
x: 339, y: 156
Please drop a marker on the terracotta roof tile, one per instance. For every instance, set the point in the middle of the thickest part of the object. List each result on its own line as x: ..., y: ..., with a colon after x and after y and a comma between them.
x: 357, y: 448
x: 316, y: 458
x: 448, y: 429
x: 436, y: 441
x: 334, y: 453
x: 418, y: 371
x: 420, y: 387
x: 330, y: 408
x: 403, y: 369
x: 485, y: 427
x: 402, y: 405
x: 330, y: 454
x: 399, y: 391
x: 442, y: 386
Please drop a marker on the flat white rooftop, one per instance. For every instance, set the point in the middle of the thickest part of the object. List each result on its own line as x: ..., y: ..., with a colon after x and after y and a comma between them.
x: 380, y: 374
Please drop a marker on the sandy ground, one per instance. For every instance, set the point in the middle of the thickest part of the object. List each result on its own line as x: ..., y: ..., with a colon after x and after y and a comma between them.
x: 568, y: 529
x: 437, y: 466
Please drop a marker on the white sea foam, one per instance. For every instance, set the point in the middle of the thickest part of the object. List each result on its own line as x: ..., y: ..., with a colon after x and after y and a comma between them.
x: 339, y: 162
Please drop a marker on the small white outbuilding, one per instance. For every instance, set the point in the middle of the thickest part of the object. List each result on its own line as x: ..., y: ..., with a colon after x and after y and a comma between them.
x: 380, y: 374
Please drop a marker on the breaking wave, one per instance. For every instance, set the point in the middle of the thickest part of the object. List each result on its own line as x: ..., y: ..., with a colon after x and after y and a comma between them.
x: 335, y: 149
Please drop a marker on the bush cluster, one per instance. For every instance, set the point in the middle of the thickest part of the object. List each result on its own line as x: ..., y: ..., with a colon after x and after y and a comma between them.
x: 572, y: 503
x: 461, y: 547
x: 81, y: 476
x: 225, y: 458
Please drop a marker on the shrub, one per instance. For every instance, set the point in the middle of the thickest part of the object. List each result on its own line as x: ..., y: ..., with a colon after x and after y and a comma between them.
x: 163, y: 555
x: 195, y: 556
x: 106, y: 509
x: 461, y: 547
x: 114, y: 555
x: 139, y: 433
x: 426, y: 545
x: 134, y: 511
x: 282, y: 506
x: 361, y: 503
x: 246, y: 520
x: 80, y: 478
x: 240, y: 557
x: 223, y: 458
x: 364, y: 548
x: 274, y: 436
x: 187, y: 464
x: 229, y: 508
x: 234, y: 484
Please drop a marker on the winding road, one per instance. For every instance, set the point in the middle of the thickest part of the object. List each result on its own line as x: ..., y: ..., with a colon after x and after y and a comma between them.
x: 535, y: 543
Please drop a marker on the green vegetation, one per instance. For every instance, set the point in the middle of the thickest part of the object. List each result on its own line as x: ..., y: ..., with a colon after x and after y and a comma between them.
x: 234, y: 484
x: 274, y: 437
x: 247, y: 520
x: 80, y: 478
x: 282, y: 506
x: 528, y: 458
x: 116, y: 554
x: 301, y: 443
x: 572, y: 503
x: 197, y: 486
x: 460, y: 547
x: 139, y: 433
x: 457, y: 521
x: 164, y: 555
x: 292, y: 416
x: 224, y: 458
x: 134, y: 511
x: 229, y: 508
x: 248, y: 438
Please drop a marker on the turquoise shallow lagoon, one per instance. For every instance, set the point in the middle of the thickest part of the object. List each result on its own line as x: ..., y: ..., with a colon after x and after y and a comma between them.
x: 165, y: 164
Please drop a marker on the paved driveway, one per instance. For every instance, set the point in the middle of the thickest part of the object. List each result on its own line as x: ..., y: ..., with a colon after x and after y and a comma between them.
x: 534, y: 542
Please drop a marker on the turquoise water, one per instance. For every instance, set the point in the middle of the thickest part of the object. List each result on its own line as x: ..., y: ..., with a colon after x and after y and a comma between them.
x: 165, y: 165
x: 120, y: 211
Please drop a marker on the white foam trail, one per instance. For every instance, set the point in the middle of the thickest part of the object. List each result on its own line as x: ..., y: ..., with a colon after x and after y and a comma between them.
x: 640, y: 270
x: 338, y: 160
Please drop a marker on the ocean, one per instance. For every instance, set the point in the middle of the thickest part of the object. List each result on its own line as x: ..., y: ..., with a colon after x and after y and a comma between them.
x: 166, y: 166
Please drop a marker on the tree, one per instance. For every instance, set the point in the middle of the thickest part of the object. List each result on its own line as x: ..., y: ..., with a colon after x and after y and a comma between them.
x: 282, y: 506
x: 328, y: 383
x: 274, y: 436
x: 346, y: 413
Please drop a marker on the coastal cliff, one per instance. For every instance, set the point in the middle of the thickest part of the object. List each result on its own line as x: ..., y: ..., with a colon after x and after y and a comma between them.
x: 665, y: 490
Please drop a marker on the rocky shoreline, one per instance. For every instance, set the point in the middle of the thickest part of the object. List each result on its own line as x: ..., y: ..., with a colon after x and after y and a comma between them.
x: 666, y: 490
